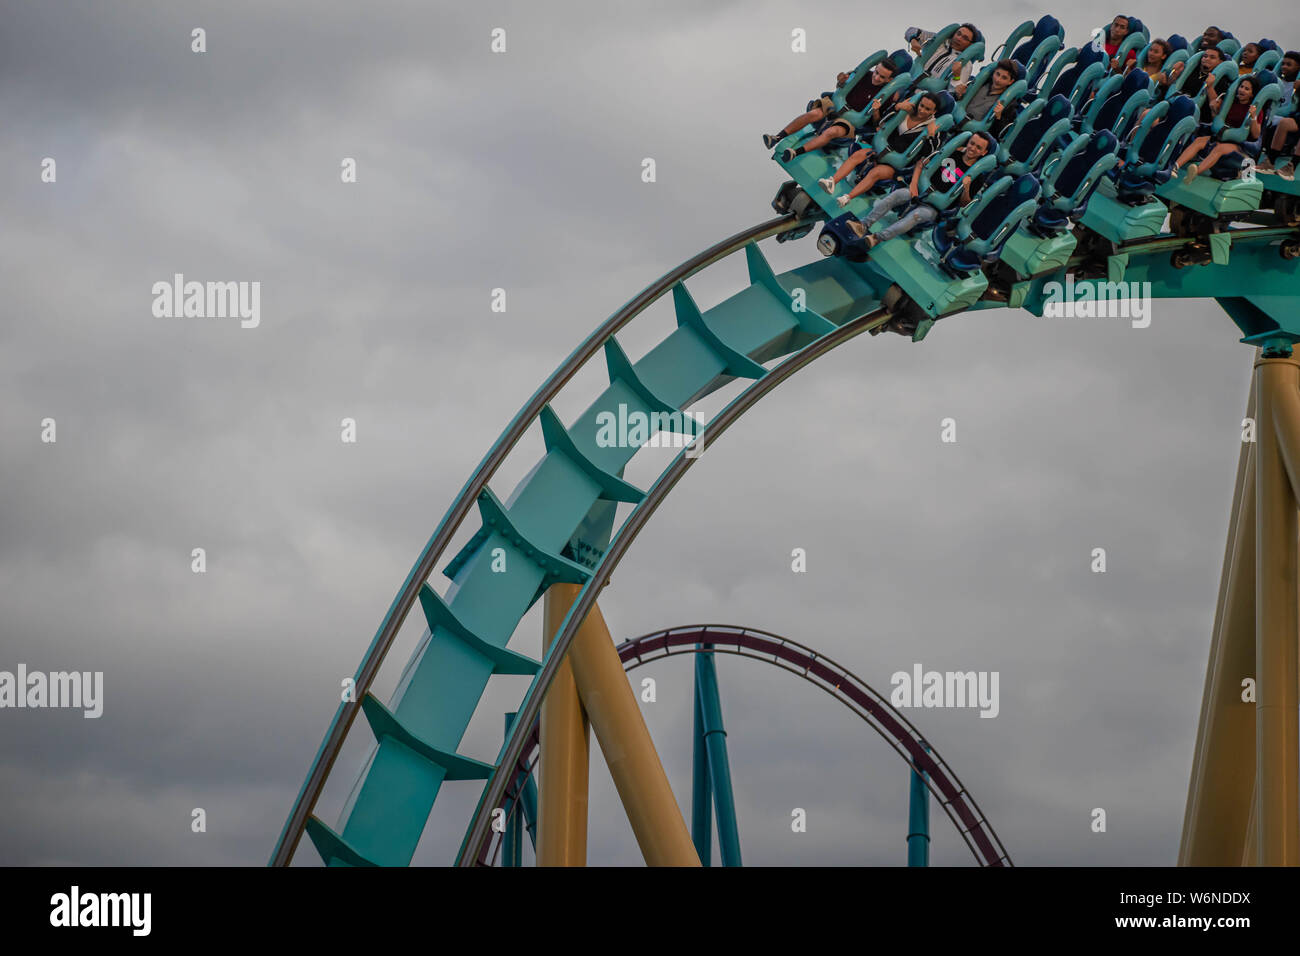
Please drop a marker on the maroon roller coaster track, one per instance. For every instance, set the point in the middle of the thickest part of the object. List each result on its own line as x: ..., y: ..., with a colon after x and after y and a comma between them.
x: 835, y: 680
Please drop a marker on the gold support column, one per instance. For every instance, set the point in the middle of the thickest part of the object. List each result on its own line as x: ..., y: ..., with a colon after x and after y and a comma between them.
x: 1277, y: 629
x: 1219, y: 799
x: 624, y: 739
x: 562, y: 791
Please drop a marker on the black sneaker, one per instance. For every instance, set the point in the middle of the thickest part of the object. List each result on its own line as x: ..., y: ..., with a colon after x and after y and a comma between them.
x: 787, y: 154
x: 770, y: 140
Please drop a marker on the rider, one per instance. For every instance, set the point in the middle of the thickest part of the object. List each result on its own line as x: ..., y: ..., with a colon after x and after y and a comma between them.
x: 986, y: 98
x: 918, y: 122
x: 822, y: 113
x: 1115, y: 36
x: 1214, y: 91
x: 1241, y: 109
x: 946, y: 55
x: 914, y: 196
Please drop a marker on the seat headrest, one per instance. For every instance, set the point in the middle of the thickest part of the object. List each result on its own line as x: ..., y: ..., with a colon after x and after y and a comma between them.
x: 1101, y: 143
x: 1047, y: 26
x: 1135, y: 26
x: 946, y: 103
x: 995, y: 213
x: 1088, y: 55
x: 1263, y: 78
x: 1058, y: 107
x: 902, y: 61
x: 1136, y: 81
x: 1177, y: 42
x: 1180, y: 107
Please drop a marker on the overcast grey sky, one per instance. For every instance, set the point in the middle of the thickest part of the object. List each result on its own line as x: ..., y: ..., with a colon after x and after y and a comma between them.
x: 522, y: 171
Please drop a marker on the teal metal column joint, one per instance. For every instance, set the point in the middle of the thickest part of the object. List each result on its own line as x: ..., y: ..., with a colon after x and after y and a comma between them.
x: 715, y: 740
x: 918, y: 821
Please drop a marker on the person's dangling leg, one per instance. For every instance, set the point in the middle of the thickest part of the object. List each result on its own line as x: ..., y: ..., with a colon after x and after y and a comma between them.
x: 811, y: 118
x: 855, y: 160
x: 1193, y: 148
x: 1213, y: 156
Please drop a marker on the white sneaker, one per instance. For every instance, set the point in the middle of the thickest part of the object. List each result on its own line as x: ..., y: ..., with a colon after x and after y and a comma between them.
x: 827, y: 184
x: 842, y: 201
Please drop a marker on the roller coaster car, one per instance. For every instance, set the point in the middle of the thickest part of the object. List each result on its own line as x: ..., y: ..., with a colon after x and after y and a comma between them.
x: 805, y: 168
x: 1045, y: 242
x: 1124, y: 207
x: 837, y: 239
x: 1222, y: 191
x: 808, y: 168
x: 1026, y: 144
x: 943, y: 272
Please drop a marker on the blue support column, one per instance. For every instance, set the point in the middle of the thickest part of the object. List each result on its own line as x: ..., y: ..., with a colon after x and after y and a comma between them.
x: 715, y: 738
x: 918, y: 821
x: 701, y: 789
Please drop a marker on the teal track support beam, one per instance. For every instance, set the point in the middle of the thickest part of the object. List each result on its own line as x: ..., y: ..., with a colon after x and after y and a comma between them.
x: 918, y: 821
x: 715, y: 739
x: 701, y: 789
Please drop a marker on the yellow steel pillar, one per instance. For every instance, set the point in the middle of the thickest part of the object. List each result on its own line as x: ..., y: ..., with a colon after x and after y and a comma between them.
x: 562, y: 791
x: 615, y: 716
x: 1277, y: 627
x: 1220, y: 800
